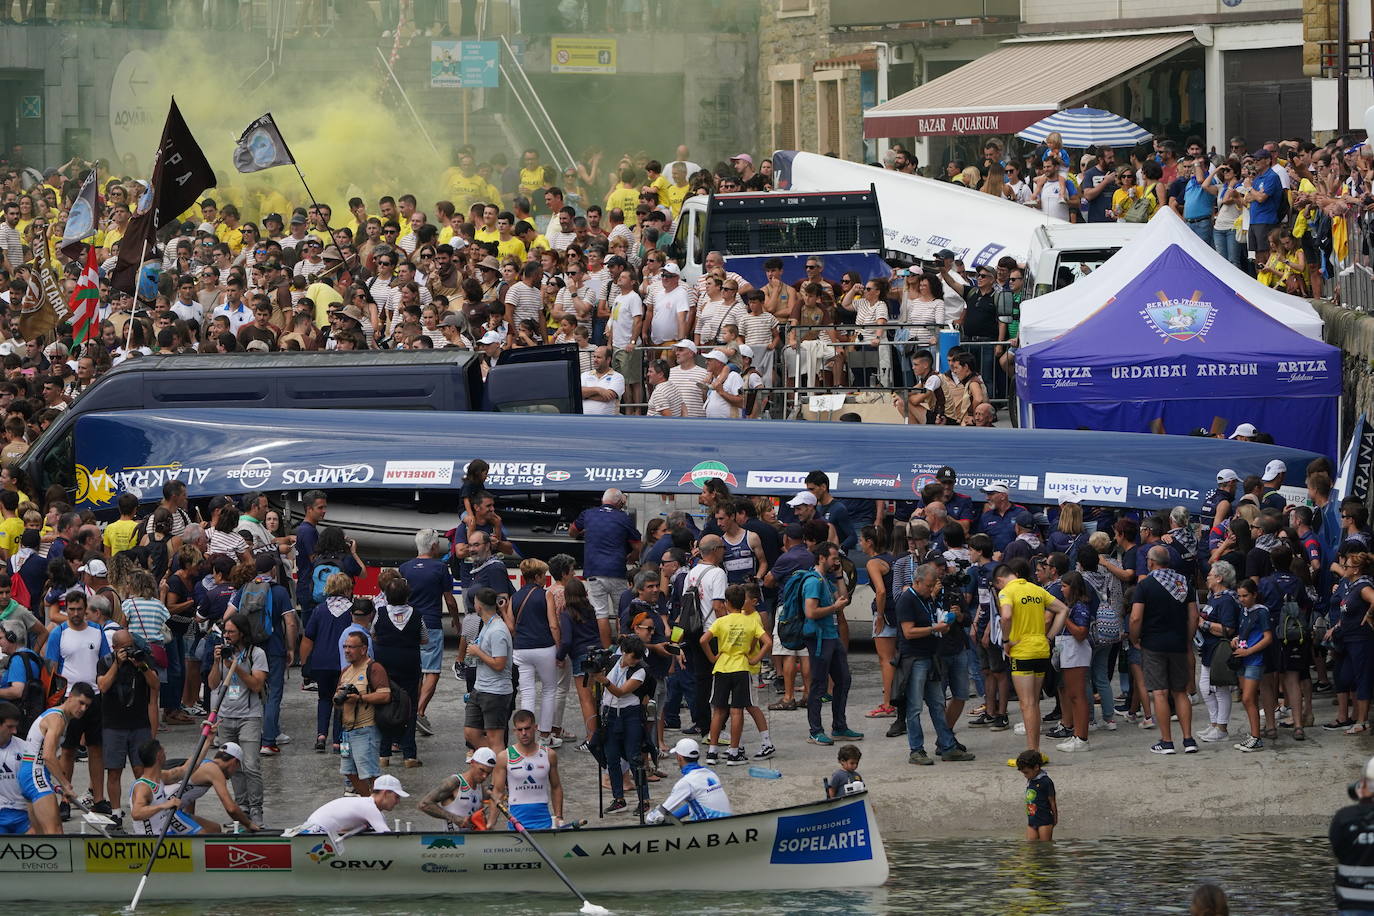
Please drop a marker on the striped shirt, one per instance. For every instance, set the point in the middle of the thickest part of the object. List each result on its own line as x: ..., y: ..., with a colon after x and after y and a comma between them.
x: 146, y: 618
x: 12, y: 244
x: 758, y: 330
x: 689, y: 384
x: 919, y: 311
x: 306, y: 269
x: 560, y: 241
x: 715, y: 315
x: 666, y: 397
x: 528, y: 302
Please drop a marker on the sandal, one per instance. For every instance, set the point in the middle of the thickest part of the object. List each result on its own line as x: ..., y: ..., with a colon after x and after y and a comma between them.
x: 783, y: 705
x: 1359, y: 728
x: 1273, y: 733
x: 881, y: 711
x: 1299, y: 734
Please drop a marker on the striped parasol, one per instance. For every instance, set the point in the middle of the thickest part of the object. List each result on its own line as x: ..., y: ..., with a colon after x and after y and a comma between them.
x: 1085, y: 127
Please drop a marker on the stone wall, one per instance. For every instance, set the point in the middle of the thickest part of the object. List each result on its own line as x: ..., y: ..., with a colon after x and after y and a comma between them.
x: 1353, y: 332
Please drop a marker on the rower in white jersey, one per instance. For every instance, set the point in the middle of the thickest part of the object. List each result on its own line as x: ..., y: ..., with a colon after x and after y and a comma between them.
x: 344, y: 816
x: 14, y: 807
x: 458, y: 799
x: 213, y: 773
x: 528, y: 781
x: 41, y: 777
x: 150, y: 802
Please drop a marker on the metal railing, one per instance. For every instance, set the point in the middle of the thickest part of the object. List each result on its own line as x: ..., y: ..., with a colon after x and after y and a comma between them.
x: 1354, y: 280
x: 1357, y: 57
x: 547, y: 132
x: 275, y: 24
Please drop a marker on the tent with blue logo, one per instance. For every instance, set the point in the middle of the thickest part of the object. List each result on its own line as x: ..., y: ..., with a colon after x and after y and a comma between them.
x: 1179, y: 346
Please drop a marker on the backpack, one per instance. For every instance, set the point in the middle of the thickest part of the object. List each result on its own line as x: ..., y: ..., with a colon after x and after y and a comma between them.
x: 1292, y: 627
x: 1139, y: 210
x: 792, y: 609
x: 393, y: 716
x: 689, y: 615
x: 256, y: 603
x: 42, y: 690
x: 1105, y: 627
x: 323, y: 570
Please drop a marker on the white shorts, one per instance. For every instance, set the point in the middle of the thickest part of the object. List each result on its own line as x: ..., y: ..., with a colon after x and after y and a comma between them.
x: 780, y: 650
x: 1072, y: 653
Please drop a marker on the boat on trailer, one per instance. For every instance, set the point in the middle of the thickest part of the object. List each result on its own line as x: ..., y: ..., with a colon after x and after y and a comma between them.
x: 823, y: 844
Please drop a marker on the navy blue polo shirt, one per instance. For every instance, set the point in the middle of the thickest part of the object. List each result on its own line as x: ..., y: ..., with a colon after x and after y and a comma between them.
x: 999, y: 526
x: 609, y: 534
x: 430, y: 580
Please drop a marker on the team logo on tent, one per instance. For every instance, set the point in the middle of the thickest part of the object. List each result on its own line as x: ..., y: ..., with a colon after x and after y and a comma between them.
x: 1180, y: 319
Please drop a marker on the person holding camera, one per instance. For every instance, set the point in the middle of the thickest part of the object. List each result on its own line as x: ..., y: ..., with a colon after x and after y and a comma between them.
x: 622, y: 717
x: 241, y: 668
x: 489, y: 702
x: 923, y: 623
x: 363, y: 686
x: 129, y: 684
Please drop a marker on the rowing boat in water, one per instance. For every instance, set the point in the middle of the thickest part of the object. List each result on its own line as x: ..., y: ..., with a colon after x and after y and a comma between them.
x: 823, y: 844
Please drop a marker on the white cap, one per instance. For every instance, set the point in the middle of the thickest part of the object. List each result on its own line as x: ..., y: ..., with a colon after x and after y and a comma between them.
x: 233, y: 750
x: 1226, y: 475
x: 746, y: 351
x: 483, y: 755
x: 995, y: 488
x: 95, y: 568
x: 389, y: 783
x: 1069, y: 499
x: 1273, y: 469
x: 688, y: 748
x: 1246, y: 430
x: 803, y: 498
x: 687, y: 344
x: 670, y: 269
x: 719, y: 354
x: 490, y: 337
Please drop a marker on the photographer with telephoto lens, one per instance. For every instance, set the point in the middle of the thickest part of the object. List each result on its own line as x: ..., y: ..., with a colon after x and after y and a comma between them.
x: 128, y: 683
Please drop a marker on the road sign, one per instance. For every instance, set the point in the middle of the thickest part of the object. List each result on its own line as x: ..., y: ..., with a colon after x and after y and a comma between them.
x: 582, y: 55
x: 464, y: 65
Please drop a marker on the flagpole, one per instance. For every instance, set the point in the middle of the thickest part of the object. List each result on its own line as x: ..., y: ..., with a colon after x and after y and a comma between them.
x: 138, y: 280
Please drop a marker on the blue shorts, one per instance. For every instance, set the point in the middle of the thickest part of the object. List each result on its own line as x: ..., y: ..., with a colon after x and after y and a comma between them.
x: 888, y: 632
x: 13, y: 822
x: 533, y: 816
x: 35, y: 781
x: 364, y: 746
x: 956, y: 675
x: 432, y: 652
x: 184, y: 825
x: 1252, y: 672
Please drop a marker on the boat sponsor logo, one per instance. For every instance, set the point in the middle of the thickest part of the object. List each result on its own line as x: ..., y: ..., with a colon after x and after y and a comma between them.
x: 1303, y: 370
x: 439, y: 868
x: 1093, y: 487
x: 577, y: 851
x: 94, y: 486
x: 361, y: 864
x: 431, y: 473
x: 558, y: 476
x: 708, y: 470
x: 1179, y: 319
x: 253, y: 473
x: 877, y: 480
x: 674, y: 844
x: 653, y: 477
x: 35, y: 855
x: 131, y: 856
x: 442, y: 841
x: 1064, y: 376
x: 1159, y: 491
x: 784, y: 480
x: 329, y: 474
x: 322, y: 851
x: 251, y: 855
x: 511, y: 866
x: 614, y: 475
x: 517, y: 473
x: 837, y: 835
x: 100, y: 485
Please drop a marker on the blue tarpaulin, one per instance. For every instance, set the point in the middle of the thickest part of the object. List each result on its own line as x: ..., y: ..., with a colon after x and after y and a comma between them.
x: 234, y: 450
x: 1178, y: 345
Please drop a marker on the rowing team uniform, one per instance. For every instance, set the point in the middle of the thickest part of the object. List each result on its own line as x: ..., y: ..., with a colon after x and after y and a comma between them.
x: 467, y: 801
x: 527, y: 788
x: 35, y: 782
x: 697, y: 796
x: 14, y: 807
x: 342, y: 815
x: 182, y: 823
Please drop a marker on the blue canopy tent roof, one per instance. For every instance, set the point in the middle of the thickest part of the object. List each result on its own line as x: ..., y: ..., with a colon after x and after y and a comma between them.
x: 233, y: 450
x: 1178, y: 345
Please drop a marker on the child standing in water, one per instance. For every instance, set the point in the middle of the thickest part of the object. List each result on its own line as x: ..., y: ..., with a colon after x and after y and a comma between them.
x: 1042, y: 805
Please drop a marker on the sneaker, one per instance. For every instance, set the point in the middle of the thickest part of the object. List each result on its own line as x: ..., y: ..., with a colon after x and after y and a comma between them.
x: 1121, y: 707
x: 897, y: 728
x: 820, y: 738
x: 616, y: 805
x: 1147, y: 722
x: 919, y: 758
x: 1052, y: 716
x: 1075, y: 745
x: 713, y: 757
x: 411, y: 763
x: 1189, y: 746
x: 1019, y: 728
x: 194, y: 710
x: 310, y: 687
x: 550, y: 741
x: 319, y: 745
x: 981, y: 710
x: 1066, y: 744
x: 102, y: 807
x: 1110, y: 725
x: 269, y: 750
x: 982, y: 720
x: 384, y: 761
x: 458, y: 671
x: 584, y: 746
x: 692, y: 731
x: 735, y: 757
x: 422, y: 725
x: 956, y: 754
x: 642, y: 809
x: 765, y: 752
x: 64, y: 811
x: 1215, y: 734
x: 1163, y: 747
x: 846, y: 734
x: 1339, y: 725
x: 1058, y: 731
x: 825, y: 698
x: 1249, y: 744
x: 999, y: 724
x: 283, y: 739
x: 1322, y: 688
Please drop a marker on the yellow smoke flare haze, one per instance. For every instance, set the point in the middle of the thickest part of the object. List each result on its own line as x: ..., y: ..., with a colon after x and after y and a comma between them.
x: 347, y: 136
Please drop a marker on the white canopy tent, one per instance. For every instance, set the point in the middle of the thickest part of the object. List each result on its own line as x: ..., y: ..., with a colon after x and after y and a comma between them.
x: 1048, y: 316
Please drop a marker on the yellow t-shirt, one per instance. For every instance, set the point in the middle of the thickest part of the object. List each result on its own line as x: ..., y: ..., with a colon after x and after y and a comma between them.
x: 531, y: 179
x: 10, y: 530
x: 540, y: 243
x: 323, y: 295
x: 674, y: 197
x: 1123, y: 198
x: 231, y: 237
x: 661, y: 185
x: 487, y: 235
x: 446, y: 235
x: 1028, y: 603
x: 511, y: 248
x: 624, y: 199
x: 465, y: 190
x: 120, y: 535
x: 736, y: 636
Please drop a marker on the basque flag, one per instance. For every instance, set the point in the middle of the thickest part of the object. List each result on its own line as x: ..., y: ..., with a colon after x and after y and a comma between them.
x: 85, y: 298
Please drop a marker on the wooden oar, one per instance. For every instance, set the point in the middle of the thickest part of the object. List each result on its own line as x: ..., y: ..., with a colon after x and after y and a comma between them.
x: 588, y: 908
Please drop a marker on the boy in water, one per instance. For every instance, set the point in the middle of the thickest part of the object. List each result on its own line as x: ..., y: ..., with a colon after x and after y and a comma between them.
x: 1042, y: 806
x: 847, y: 773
